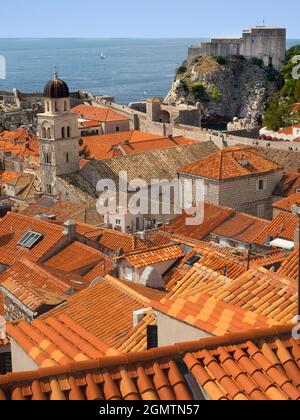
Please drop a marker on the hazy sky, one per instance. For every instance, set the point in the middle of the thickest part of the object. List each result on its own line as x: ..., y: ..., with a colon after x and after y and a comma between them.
x: 143, y: 18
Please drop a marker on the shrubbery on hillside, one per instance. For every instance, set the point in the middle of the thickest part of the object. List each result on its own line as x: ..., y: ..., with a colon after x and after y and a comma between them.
x: 279, y: 112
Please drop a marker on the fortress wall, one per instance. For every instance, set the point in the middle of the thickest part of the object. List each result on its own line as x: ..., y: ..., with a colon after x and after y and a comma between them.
x: 260, y: 42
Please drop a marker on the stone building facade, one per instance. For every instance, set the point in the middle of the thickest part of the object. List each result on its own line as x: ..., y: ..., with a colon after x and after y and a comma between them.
x: 265, y: 43
x: 59, y: 137
x: 251, y: 195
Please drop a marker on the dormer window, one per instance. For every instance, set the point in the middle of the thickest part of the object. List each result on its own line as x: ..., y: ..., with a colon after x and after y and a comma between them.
x: 30, y: 240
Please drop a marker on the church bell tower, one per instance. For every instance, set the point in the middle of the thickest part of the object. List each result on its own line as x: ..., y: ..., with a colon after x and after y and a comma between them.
x: 58, y: 136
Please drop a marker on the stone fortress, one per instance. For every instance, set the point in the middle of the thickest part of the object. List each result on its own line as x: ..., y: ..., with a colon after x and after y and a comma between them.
x: 262, y: 42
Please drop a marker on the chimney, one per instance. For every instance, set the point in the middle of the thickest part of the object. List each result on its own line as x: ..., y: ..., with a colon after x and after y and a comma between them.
x: 70, y: 229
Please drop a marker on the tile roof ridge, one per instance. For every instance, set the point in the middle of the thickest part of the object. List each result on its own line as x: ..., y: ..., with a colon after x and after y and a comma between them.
x: 127, y: 289
x: 146, y: 250
x: 32, y: 219
x: 175, y: 352
x: 38, y: 268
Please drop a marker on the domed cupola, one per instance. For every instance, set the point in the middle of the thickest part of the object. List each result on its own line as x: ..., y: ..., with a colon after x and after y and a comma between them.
x: 56, y: 88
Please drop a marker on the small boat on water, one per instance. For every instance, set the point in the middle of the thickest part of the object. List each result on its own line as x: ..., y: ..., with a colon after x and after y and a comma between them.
x: 102, y: 56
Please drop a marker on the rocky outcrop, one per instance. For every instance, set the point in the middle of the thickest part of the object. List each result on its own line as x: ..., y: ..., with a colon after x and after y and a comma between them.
x: 225, y: 88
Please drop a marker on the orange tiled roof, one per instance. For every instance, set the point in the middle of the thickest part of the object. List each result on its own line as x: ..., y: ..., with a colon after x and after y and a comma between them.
x: 256, y: 365
x: 289, y: 267
x: 7, y: 176
x: 57, y: 341
x: 34, y: 286
x: 269, y: 260
x: 112, y: 239
x: 62, y: 210
x: 214, y: 216
x: 283, y: 226
x: 105, y: 310
x: 20, y: 142
x: 93, y: 113
x: 288, y: 130
x: 75, y: 258
x: 14, y: 226
x: 108, y: 146
x: 89, y: 124
x: 213, y: 260
x: 100, y: 270
x: 137, y: 337
x: 32, y: 298
x: 231, y: 162
x: 159, y: 238
x: 287, y: 203
x: 154, y: 256
x: 242, y: 228
x: 211, y: 302
x: 289, y: 184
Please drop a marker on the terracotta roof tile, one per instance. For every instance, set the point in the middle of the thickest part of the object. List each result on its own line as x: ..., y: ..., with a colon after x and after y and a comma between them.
x: 289, y: 267
x: 256, y: 365
x: 283, y: 226
x: 212, y: 260
x: 21, y: 143
x: 231, y: 162
x: 214, y: 216
x: 112, y: 240
x: 62, y: 210
x: 12, y: 229
x: 289, y: 184
x: 216, y: 304
x: 242, y: 228
x: 31, y: 297
x: 152, y: 256
x: 287, y: 203
x: 105, y: 310
x: 7, y: 176
x: 93, y: 113
x: 34, y: 286
x: 136, y: 341
x: 57, y: 341
x: 75, y: 257
x: 107, y: 146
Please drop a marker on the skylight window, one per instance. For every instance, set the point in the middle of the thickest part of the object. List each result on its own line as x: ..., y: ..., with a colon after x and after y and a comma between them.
x: 30, y: 240
x: 193, y: 260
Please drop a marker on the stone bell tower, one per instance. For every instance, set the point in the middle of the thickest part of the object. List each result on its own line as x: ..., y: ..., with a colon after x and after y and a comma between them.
x: 59, y: 136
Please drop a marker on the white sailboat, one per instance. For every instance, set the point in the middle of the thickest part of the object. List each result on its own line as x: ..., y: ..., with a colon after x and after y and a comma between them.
x: 102, y: 56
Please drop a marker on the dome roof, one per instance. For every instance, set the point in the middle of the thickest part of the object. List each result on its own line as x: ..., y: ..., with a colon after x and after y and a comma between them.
x: 56, y: 88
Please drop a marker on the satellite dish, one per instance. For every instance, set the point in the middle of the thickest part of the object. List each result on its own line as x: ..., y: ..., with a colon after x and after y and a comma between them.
x: 2, y: 328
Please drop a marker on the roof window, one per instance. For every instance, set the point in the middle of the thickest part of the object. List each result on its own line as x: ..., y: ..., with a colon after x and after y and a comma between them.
x: 30, y: 240
x: 193, y: 260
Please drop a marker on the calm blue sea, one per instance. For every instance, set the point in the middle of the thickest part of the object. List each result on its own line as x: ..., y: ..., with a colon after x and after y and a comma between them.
x: 133, y: 68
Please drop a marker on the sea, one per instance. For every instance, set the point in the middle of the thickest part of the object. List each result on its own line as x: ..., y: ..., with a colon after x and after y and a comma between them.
x: 132, y: 70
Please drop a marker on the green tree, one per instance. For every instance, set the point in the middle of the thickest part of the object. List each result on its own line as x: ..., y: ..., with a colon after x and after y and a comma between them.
x: 199, y: 92
x: 297, y: 91
x: 278, y: 115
